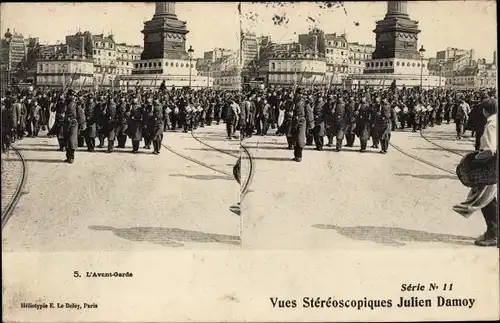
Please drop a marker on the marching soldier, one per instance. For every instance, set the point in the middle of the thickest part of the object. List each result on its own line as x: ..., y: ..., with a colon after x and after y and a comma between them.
x: 310, y: 116
x: 351, y: 117
x: 286, y: 125
x: 319, y: 124
x: 298, y: 126
x: 57, y: 128
x: 147, y: 131
x: 330, y: 119
x: 156, y: 125
x: 383, y: 125
x: 374, y: 132
x: 101, y: 121
x: 91, y: 130
x: 364, y: 124
x: 339, y: 115
x: 74, y: 121
x: 122, y: 114
x: 135, y: 124
x: 111, y: 124
x: 81, y: 134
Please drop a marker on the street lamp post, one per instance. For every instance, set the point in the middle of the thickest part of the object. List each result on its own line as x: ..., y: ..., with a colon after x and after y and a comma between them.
x: 190, y: 53
x: 421, y: 51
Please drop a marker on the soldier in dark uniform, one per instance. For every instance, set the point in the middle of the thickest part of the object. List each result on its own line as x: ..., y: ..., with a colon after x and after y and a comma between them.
x: 57, y: 128
x: 122, y: 114
x: 374, y: 132
x: 147, y: 131
x: 340, y: 123
x: 351, y: 117
x: 111, y: 123
x: 364, y: 124
x: 135, y: 125
x: 319, y: 124
x: 100, y: 121
x: 448, y: 109
x: 329, y: 109
x: 91, y: 130
x: 74, y: 121
x: 383, y: 125
x: 286, y: 126
x: 156, y: 125
x: 310, y: 116
x: 217, y: 106
x: 45, y: 113
x: 81, y: 135
x: 298, y: 126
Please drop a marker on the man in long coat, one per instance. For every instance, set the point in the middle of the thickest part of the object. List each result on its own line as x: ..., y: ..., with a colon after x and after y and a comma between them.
x: 91, y: 131
x: 299, y: 125
x: 111, y: 122
x: 100, y: 121
x: 309, y: 116
x: 250, y: 116
x: 135, y: 125
x: 21, y: 118
x: 74, y: 120
x: 319, y: 124
x: 81, y: 135
x: 57, y: 128
x: 339, y: 115
x: 363, y: 125
x: 155, y: 124
x: 383, y: 125
x: 329, y: 109
x: 351, y: 119
x: 122, y: 113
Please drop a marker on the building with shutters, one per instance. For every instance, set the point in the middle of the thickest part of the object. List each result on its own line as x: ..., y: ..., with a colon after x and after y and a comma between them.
x: 304, y: 69
x: 72, y: 70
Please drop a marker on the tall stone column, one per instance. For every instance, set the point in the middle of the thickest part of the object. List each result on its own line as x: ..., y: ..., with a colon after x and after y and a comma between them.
x: 397, y: 9
x: 165, y: 9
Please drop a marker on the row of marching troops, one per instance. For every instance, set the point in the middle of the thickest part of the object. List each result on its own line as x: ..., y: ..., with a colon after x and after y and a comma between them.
x: 78, y: 119
x: 305, y: 117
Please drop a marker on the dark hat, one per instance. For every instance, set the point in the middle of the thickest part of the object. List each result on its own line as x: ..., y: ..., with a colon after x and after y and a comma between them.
x: 490, y: 106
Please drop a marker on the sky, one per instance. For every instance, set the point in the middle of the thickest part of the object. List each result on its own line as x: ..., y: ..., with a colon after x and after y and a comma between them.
x: 210, y: 24
x: 462, y: 24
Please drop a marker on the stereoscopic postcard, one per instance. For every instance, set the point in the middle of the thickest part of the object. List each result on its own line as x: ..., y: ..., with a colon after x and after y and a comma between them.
x: 249, y: 161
